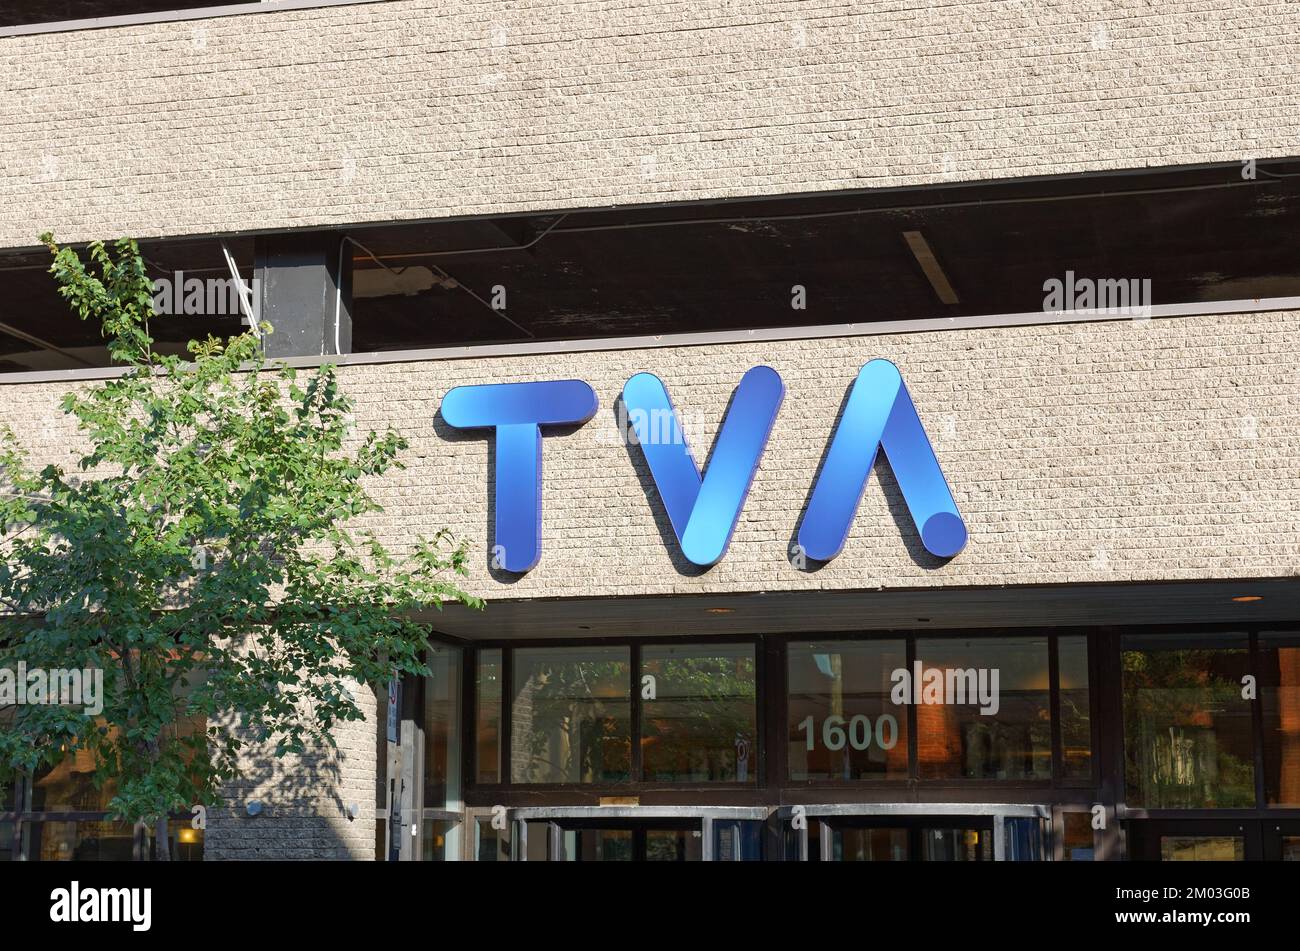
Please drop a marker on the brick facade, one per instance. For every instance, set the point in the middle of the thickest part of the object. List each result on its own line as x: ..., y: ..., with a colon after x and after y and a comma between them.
x: 1111, y: 451
x: 425, y: 108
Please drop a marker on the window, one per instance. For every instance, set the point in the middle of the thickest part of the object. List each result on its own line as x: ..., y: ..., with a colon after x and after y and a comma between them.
x: 1188, y: 735
x: 490, y: 844
x: 977, y: 707
x: 993, y: 720
x: 988, y: 707
x: 841, y: 722
x: 60, y: 813
x: 58, y: 11
x: 1279, y: 694
x: 571, y: 715
x: 487, y: 716
x: 442, y: 729
x: 699, y: 713
x: 737, y: 840
x: 1075, y: 707
x: 69, y: 786
x: 1077, y: 842
x: 600, y: 714
x: 440, y: 839
x: 1202, y: 848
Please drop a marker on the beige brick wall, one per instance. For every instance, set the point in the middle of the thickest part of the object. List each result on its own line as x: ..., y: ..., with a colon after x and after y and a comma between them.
x: 428, y: 108
x: 305, y: 799
x: 1093, y: 452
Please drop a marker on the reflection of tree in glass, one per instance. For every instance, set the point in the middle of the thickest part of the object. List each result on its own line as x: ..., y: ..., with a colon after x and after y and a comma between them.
x: 701, y: 726
x: 571, y: 720
x: 1180, y: 711
x: 1076, y: 731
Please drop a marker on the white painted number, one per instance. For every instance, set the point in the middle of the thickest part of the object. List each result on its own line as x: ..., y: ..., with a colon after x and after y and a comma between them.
x: 833, y: 733
x: 858, y: 735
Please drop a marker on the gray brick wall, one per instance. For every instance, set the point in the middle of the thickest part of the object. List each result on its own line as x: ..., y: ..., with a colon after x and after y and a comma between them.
x: 428, y: 108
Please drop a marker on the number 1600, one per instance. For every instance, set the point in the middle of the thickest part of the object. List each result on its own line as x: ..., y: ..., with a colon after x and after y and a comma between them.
x: 857, y: 733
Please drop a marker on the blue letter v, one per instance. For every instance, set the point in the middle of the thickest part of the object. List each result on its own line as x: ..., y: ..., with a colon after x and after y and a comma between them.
x: 704, y: 511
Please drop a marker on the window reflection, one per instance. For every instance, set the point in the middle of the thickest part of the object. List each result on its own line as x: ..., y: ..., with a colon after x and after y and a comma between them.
x: 699, y: 721
x: 871, y: 845
x: 852, y: 842
x: 1188, y: 737
x: 442, y: 729
x: 571, y: 715
x: 598, y: 845
x: 1078, y: 843
x: 487, y: 716
x: 1202, y: 848
x: 1076, y: 710
x: 962, y: 740
x: 737, y: 840
x: 104, y: 840
x: 83, y: 841
x: 1280, y: 698
x: 674, y: 845
x: 438, y: 840
x: 841, y: 721
x: 490, y: 844
x: 69, y: 785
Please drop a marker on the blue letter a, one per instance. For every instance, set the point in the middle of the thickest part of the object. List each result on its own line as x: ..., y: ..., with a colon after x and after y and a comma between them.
x: 880, y: 413
x: 704, y: 511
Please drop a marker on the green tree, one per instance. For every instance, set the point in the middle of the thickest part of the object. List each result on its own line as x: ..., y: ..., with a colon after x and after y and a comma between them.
x: 204, y: 558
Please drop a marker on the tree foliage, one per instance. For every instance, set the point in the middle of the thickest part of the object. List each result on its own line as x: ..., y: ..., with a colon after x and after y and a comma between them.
x: 204, y: 557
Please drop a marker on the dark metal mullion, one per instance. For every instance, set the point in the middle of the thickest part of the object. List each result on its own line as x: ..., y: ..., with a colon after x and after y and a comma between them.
x: 1054, y: 689
x: 776, y: 703
x: 1093, y: 666
x: 762, y: 717
x: 504, y: 771
x: 635, y: 766
x: 913, y: 756
x: 469, y: 721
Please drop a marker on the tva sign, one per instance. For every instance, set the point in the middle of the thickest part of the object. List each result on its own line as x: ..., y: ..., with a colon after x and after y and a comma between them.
x: 704, y: 508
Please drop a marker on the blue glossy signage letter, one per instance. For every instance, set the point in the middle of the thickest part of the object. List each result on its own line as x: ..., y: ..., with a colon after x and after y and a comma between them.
x: 704, y: 511
x: 880, y: 414
x: 517, y: 411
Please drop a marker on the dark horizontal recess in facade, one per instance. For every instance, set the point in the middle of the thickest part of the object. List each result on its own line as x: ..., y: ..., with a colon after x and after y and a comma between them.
x: 1197, y: 235
x: 823, y: 612
x: 55, y: 16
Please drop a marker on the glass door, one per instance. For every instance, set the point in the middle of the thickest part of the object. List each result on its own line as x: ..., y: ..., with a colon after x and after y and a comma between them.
x: 1195, y: 840
x: 873, y: 839
x: 614, y: 840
